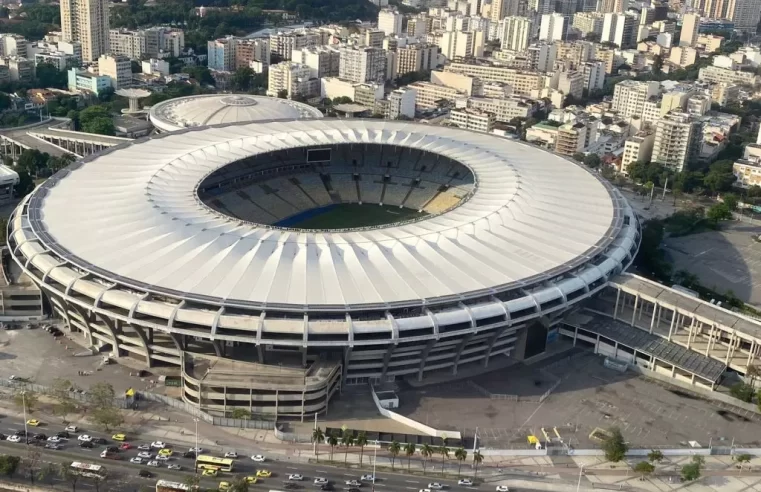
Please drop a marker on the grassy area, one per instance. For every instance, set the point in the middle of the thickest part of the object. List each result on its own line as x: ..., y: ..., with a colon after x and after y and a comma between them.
x: 350, y: 215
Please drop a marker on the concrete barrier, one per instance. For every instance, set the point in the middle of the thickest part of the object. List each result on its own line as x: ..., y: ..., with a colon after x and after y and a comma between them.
x: 430, y: 431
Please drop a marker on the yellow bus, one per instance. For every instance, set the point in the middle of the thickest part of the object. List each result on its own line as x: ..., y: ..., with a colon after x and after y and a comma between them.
x: 213, y: 463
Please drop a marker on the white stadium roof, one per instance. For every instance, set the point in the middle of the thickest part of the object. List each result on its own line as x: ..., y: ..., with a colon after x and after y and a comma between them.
x: 133, y: 216
x: 213, y: 109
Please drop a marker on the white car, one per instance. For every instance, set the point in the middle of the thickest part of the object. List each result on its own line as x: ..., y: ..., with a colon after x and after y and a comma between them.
x: 466, y: 482
x: 353, y: 483
x: 72, y: 428
x: 320, y: 481
x: 144, y: 454
x: 502, y: 488
x: 295, y: 477
x: 158, y: 444
x: 153, y: 463
x: 231, y: 454
x: 367, y: 478
x: 13, y: 439
x: 137, y: 461
x: 425, y: 490
x: 144, y: 447
x: 435, y: 486
x: 84, y: 438
x: 161, y: 457
x: 54, y: 439
x: 258, y: 458
x: 196, y: 450
x: 174, y: 467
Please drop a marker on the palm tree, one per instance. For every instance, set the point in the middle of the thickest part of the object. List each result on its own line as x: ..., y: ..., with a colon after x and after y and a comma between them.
x: 394, y: 449
x: 460, y: 454
x: 317, y: 436
x: 333, y: 442
x: 348, y: 441
x: 409, y: 450
x: 427, y: 451
x: 444, y: 455
x: 361, y: 441
x: 478, y: 458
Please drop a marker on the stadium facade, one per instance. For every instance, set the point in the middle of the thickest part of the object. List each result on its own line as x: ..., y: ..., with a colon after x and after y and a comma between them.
x: 172, y: 252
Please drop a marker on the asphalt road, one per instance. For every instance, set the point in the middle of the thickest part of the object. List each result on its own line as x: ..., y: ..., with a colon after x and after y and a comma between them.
x: 125, y: 474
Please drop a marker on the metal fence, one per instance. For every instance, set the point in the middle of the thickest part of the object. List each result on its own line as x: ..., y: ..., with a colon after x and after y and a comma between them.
x: 200, y: 414
x: 292, y: 437
x: 82, y: 397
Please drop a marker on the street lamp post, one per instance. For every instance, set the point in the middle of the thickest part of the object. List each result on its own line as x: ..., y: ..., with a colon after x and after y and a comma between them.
x: 195, y: 451
x: 581, y: 472
x: 26, y: 428
x: 375, y: 459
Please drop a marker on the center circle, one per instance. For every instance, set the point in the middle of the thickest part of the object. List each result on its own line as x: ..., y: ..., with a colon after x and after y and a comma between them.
x: 337, y: 187
x: 238, y: 101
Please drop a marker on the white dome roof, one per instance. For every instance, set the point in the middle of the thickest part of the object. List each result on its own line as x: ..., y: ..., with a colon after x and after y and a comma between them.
x: 213, y: 109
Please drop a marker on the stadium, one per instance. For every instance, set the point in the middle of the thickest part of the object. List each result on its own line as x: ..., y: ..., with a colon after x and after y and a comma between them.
x: 269, y: 263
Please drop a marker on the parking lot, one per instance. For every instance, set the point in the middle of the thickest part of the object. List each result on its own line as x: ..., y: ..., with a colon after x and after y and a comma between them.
x: 590, y: 396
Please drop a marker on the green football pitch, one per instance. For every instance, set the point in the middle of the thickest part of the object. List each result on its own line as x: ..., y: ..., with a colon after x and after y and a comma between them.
x: 351, y: 215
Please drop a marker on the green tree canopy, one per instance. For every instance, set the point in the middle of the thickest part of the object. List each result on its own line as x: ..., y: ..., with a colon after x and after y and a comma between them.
x: 615, y: 447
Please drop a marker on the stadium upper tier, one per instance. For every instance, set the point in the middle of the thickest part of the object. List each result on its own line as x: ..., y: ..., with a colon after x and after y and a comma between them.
x: 212, y: 109
x: 123, y: 242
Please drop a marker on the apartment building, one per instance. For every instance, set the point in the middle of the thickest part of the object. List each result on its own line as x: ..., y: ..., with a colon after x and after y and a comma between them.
x: 84, y: 81
x: 416, y: 58
x: 282, y: 44
x: 86, y: 22
x: 571, y: 138
x: 13, y: 45
x: 401, y: 103
x: 552, y: 27
x: 150, y: 42
x: 503, y: 109
x: 362, y: 64
x: 472, y: 119
x: 593, y: 73
x: 456, y: 45
x: 323, y: 60
x: 683, y: 56
x: 747, y: 172
x: 118, y: 68
x: 638, y: 147
x: 390, y: 22
x: 744, y: 14
x: 629, y: 97
x: 619, y: 29
x: 726, y: 75
x: 221, y: 54
x: 418, y: 26
x: 516, y: 34
x: 253, y: 53
x: 588, y: 22
x: 522, y: 82
x: 431, y: 96
x: 470, y: 86
x: 19, y: 68
x: 293, y: 78
x: 690, y: 28
x: 677, y: 141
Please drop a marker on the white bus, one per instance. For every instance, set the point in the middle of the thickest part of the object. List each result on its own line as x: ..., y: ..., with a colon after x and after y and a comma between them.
x: 88, y: 470
x: 167, y: 486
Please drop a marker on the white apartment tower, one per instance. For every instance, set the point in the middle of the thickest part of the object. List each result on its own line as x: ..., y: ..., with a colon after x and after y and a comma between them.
x: 293, y: 78
x: 629, y: 97
x: 552, y: 27
x: 619, y: 29
x: 517, y: 33
x: 690, y: 24
x: 118, y: 68
x: 390, y: 22
x: 86, y: 22
x: 363, y: 64
x: 677, y: 140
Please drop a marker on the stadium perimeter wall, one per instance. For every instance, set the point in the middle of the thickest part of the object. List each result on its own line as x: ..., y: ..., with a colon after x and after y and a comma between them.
x: 430, y: 431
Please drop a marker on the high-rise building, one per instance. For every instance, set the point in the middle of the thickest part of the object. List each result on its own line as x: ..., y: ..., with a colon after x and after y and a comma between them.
x: 594, y: 75
x: 118, y: 68
x: 615, y: 6
x: 86, y: 21
x: 401, y: 103
x: 221, y: 54
x: 516, y: 34
x: 256, y: 51
x: 460, y: 44
x: 323, y: 60
x: 638, y: 147
x: 542, y: 7
x: 416, y: 58
x: 472, y: 119
x: 293, y: 79
x: 677, y: 141
x: 552, y: 27
x: 282, y: 44
x: 588, y: 22
x: 418, y: 26
x: 745, y: 14
x: 690, y: 25
x: 390, y: 22
x: 619, y: 29
x: 363, y: 64
x: 629, y: 97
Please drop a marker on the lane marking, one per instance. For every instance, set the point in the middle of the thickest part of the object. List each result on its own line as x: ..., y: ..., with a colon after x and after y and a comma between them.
x: 412, y: 481
x: 321, y: 471
x: 410, y: 488
x: 291, y: 468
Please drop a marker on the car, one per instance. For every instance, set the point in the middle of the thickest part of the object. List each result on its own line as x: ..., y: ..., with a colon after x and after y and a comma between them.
x: 326, y: 486
x: 320, y: 481
x: 353, y: 483
x: 435, y: 486
x: 224, y: 485
x: 63, y: 434
x: 119, y: 436
x: 158, y: 444
x: 367, y: 478
x: 40, y: 437
x: 145, y: 474
x: 231, y: 454
x: 425, y: 490
x: 295, y: 477
x: 105, y: 453
x: 99, y: 440
x: 137, y: 461
x: 144, y: 447
x: 13, y: 438
x: 161, y: 457
x: 52, y: 445
x: 210, y: 473
x: 502, y: 488
x: 54, y: 439
x: 186, y: 454
x: 165, y: 452
x: 85, y: 438
x: 263, y: 473
x: 251, y: 479
x: 33, y: 422
x: 192, y: 450
x: 174, y: 467
x: 466, y: 482
x: 112, y: 449
x: 153, y: 463
x: 259, y: 458
x: 144, y: 454
x: 125, y: 446
x: 71, y: 428
x: 3, y: 437
x: 86, y: 444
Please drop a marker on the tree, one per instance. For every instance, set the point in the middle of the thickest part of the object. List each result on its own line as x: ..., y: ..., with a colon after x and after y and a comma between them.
x: 657, y: 64
x: 461, y: 455
x: 752, y: 372
x: 33, y: 161
x: 691, y: 471
x: 361, y: 441
x: 719, y: 177
x: 97, y: 481
x: 592, y: 161
x: 108, y: 417
x: 332, y: 442
x: 242, y: 78
x: 25, y: 184
x: 655, y: 456
x: 47, y: 472
x: 66, y: 474
x: 241, y: 413
x: 477, y: 460
x: 444, y: 451
x: 101, y: 395
x: 742, y: 391
x: 614, y: 446
x: 61, y: 392
x: 347, y: 441
x: 742, y: 459
x: 282, y: 94
x: 409, y: 451
x: 317, y: 437
x: 394, y: 448
x: 426, y: 451
x: 644, y: 468
x: 26, y: 399
x: 578, y: 157
x: 100, y: 126
x: 719, y: 212
x: 239, y: 485
x: 32, y: 462
x: 730, y: 200
x: 9, y: 465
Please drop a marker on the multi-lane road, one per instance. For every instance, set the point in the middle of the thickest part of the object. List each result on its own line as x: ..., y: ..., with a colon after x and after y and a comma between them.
x: 126, y: 474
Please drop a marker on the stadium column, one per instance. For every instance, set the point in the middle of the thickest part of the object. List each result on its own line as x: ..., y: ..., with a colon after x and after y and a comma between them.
x: 429, y: 345
x: 85, y: 321
x: 459, y: 350
x: 392, y: 346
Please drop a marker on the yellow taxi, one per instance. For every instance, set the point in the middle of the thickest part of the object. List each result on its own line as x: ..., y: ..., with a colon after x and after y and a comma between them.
x: 263, y: 473
x: 224, y: 485
x: 166, y: 452
x: 33, y: 422
x: 119, y: 437
x: 250, y: 479
x: 209, y: 472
